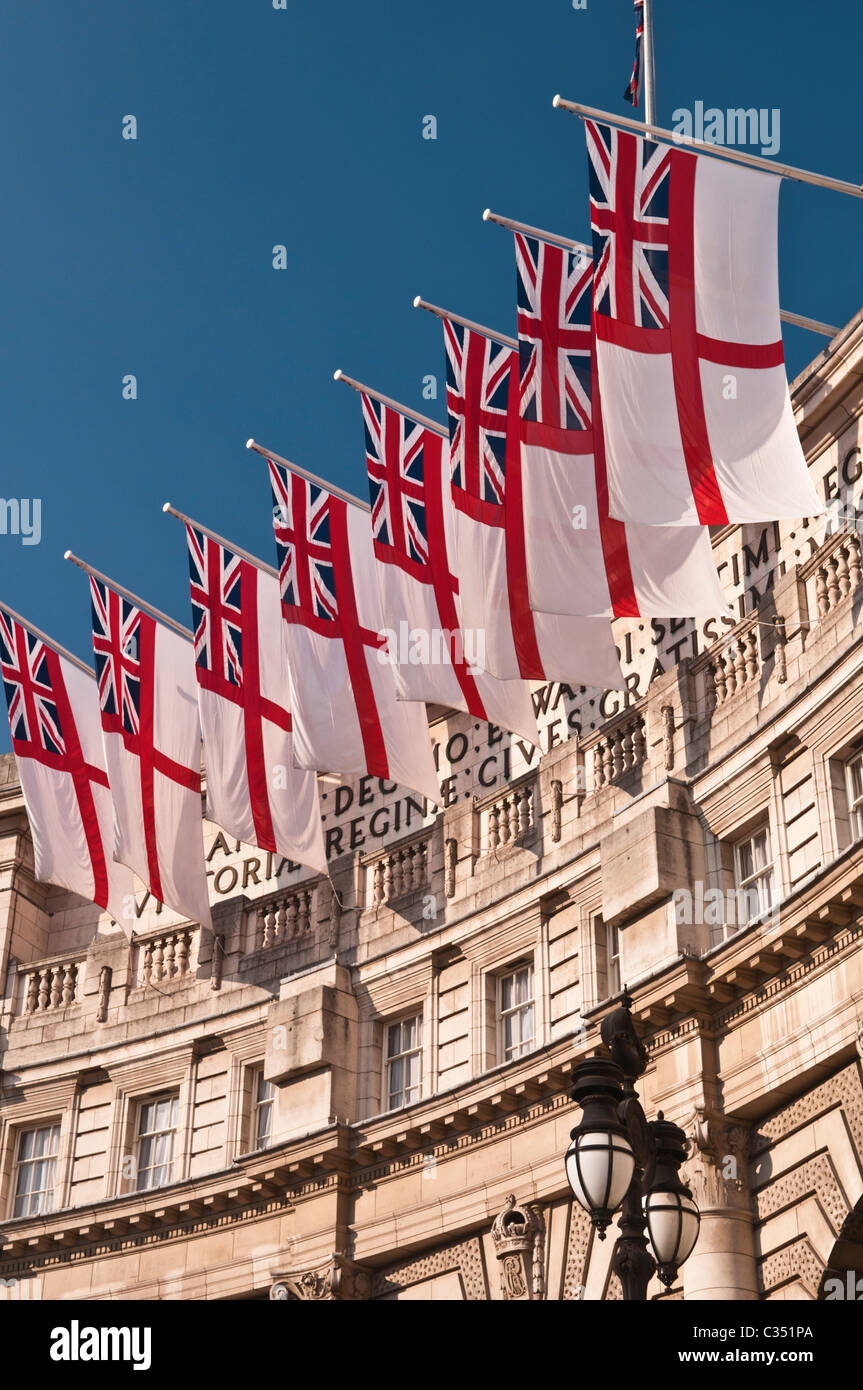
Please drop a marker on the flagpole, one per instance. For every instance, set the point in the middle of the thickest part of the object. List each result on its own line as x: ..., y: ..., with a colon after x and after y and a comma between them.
x: 649, y: 73
x: 220, y: 540
x: 465, y: 323
x: 309, y: 477
x: 755, y: 161
x: 133, y: 598
x: 43, y: 637
x: 489, y: 216
x: 394, y: 405
x: 827, y: 330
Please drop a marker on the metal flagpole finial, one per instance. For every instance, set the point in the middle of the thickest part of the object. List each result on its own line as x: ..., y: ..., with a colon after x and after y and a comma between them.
x: 250, y: 443
x: 338, y: 374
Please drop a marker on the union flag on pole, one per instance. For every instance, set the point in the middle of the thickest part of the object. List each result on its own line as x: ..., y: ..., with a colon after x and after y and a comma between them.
x: 254, y: 791
x: 346, y: 715
x: 580, y: 560
x: 435, y: 656
x: 152, y: 742
x: 54, y: 720
x: 489, y: 511
x: 698, y: 421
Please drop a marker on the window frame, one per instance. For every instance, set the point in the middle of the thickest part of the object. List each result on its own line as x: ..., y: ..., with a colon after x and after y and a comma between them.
x: 173, y: 1130
x: 743, y: 882
x: 524, y: 1046
x: 414, y: 1051
x: 257, y: 1105
x: 54, y: 1128
x: 855, y: 801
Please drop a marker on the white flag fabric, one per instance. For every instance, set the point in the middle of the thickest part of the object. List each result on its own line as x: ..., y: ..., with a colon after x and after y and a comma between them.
x: 489, y: 507
x: 254, y: 791
x: 347, y: 718
x: 579, y: 559
x: 57, y: 739
x: 698, y: 419
x: 152, y: 740
x: 437, y: 657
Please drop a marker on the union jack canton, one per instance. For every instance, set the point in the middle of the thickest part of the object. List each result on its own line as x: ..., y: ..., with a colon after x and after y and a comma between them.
x: 553, y: 334
x: 33, y: 715
x: 215, y: 575
x: 117, y: 657
x: 477, y: 376
x: 629, y: 182
x: 395, y: 463
x: 303, y: 540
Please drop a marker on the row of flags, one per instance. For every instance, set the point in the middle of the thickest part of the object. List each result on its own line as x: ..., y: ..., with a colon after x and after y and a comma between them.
x: 643, y: 401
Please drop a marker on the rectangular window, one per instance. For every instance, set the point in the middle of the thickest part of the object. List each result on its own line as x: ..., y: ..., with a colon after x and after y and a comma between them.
x: 157, y: 1126
x: 35, y: 1169
x: 263, y: 1103
x: 754, y: 876
x: 612, y: 956
x: 855, y: 796
x: 404, y: 1062
x: 516, y: 1012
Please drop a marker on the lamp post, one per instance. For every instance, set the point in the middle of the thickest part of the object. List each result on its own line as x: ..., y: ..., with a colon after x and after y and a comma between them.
x: 618, y: 1160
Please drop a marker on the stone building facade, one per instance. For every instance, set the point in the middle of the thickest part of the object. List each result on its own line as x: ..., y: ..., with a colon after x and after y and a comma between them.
x: 358, y: 1088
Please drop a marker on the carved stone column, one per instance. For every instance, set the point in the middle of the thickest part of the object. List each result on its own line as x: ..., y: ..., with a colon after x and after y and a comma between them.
x: 722, y: 1266
x: 518, y: 1235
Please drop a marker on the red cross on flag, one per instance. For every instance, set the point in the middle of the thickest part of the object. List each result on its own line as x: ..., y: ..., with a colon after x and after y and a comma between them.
x: 436, y: 656
x: 54, y: 720
x: 152, y: 741
x: 488, y: 499
x: 579, y: 559
x: 346, y: 715
x: 698, y: 421
x: 254, y: 791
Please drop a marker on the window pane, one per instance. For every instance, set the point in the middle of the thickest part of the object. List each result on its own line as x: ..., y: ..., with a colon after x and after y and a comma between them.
x: 506, y: 990
x: 855, y: 771
x: 527, y: 1025
x: 394, y: 1033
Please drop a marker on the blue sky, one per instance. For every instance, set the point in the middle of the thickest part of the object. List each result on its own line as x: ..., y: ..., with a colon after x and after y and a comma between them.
x: 303, y: 127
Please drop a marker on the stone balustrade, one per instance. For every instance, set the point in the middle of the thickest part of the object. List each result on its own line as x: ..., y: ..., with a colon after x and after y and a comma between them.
x: 46, y: 988
x: 835, y: 571
x: 401, y: 871
x: 509, y: 817
x: 282, y: 918
x: 619, y: 750
x: 165, y: 957
x: 733, y: 665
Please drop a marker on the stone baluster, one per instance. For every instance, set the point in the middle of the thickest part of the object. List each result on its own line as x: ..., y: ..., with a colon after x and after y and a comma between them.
x: 158, y: 957
x: 608, y: 761
x: 56, y: 978
x: 44, y: 988
x: 598, y: 768
x: 170, y: 942
x: 832, y: 582
x: 514, y: 818
x: 854, y: 567
x: 639, y: 747
x: 821, y: 599
x: 281, y: 930
x: 69, y: 978
x: 32, y: 991
x: 493, y: 827
x: 525, y: 809
x: 751, y: 654
x: 304, y: 916
x: 842, y: 576
x: 378, y: 883
x: 182, y: 955
x: 720, y: 685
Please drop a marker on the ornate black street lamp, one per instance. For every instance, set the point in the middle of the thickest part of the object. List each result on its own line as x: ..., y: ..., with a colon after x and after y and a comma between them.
x: 619, y: 1160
